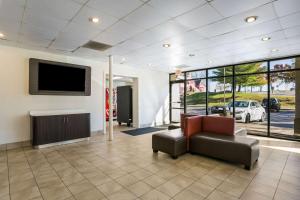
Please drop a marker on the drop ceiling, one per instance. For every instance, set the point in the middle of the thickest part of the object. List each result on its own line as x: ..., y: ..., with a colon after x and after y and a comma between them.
x: 214, y: 32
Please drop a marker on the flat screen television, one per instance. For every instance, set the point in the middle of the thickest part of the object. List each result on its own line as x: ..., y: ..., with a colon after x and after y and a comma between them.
x: 54, y: 78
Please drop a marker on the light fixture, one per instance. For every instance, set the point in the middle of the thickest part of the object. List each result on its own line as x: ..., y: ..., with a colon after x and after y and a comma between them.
x: 94, y: 20
x: 2, y: 35
x: 209, y: 61
x: 166, y: 45
x: 275, y: 50
x: 251, y: 19
x: 123, y: 60
x: 150, y: 64
x: 191, y: 55
x: 266, y: 38
x: 177, y: 72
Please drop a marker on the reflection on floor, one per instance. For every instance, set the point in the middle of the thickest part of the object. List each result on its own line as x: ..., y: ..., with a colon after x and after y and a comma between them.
x: 127, y: 169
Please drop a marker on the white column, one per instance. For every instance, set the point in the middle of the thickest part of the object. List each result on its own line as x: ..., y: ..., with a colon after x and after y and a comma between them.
x: 110, y: 134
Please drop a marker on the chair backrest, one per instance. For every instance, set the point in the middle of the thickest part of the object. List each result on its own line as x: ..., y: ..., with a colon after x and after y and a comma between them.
x: 182, y: 119
x: 193, y: 125
x: 218, y: 125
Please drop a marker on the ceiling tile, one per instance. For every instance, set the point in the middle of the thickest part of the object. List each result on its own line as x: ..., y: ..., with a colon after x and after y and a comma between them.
x: 264, y: 13
x: 119, y: 32
x: 11, y: 10
x: 115, y: 7
x: 278, y: 35
x: 146, y: 17
x: 174, y: 8
x: 65, y: 43
x: 261, y: 29
x: 146, y: 37
x: 290, y: 20
x: 84, y: 15
x: 61, y: 9
x: 199, y: 17
x: 184, y: 38
x: 44, y: 21
x: 32, y: 40
x: 74, y: 30
x: 39, y: 32
x: 218, y: 28
x: 125, y: 47
x: 161, y: 32
x: 233, y: 7
x: 286, y: 7
x: 81, y: 1
x: 294, y: 31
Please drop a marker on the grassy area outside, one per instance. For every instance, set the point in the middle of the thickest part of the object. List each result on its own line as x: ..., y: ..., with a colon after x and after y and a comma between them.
x: 214, y: 99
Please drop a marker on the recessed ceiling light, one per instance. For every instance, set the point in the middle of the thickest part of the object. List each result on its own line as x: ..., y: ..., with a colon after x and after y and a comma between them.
x: 251, y: 19
x: 166, y: 45
x: 191, y: 55
x: 209, y: 61
x: 266, y: 38
x: 150, y: 64
x: 94, y: 20
x: 2, y: 35
x: 275, y: 50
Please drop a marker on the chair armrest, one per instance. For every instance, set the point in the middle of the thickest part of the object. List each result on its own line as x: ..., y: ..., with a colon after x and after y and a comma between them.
x: 241, y: 132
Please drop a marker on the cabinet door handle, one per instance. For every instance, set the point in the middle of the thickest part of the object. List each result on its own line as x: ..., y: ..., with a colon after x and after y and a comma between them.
x: 67, y: 119
x: 64, y: 119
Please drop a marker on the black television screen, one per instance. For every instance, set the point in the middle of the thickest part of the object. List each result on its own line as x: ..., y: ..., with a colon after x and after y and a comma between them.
x: 61, y: 78
x: 55, y: 78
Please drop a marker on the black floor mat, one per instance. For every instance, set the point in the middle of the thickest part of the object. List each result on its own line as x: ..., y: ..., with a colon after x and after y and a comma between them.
x: 141, y: 131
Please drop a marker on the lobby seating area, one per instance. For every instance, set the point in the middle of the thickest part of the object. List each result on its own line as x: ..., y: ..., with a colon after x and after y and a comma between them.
x: 149, y: 100
x: 210, y: 136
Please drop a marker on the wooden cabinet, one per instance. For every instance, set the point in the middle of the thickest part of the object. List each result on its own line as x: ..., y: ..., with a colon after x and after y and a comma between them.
x: 58, y: 128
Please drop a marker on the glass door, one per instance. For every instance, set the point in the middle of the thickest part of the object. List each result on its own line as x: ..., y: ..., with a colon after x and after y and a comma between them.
x: 177, y: 101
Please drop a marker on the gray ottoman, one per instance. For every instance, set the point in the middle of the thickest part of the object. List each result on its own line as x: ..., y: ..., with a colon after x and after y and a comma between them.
x: 172, y: 142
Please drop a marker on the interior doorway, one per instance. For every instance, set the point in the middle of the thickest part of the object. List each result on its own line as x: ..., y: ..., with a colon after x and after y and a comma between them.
x: 119, y: 84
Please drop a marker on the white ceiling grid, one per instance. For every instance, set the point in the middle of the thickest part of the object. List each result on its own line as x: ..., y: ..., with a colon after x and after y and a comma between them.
x: 212, y: 30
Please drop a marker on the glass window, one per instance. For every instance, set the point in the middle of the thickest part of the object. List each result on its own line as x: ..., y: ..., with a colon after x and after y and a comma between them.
x: 251, y: 68
x: 196, y: 96
x: 220, y: 92
x: 283, y: 107
x: 175, y: 77
x: 285, y: 64
x: 196, y: 74
x: 221, y: 71
x: 250, y: 110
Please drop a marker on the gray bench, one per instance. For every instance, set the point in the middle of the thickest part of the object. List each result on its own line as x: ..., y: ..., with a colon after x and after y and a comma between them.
x: 172, y: 142
x: 238, y: 149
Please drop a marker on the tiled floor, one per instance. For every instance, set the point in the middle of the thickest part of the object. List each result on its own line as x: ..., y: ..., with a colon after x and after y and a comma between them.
x: 127, y: 169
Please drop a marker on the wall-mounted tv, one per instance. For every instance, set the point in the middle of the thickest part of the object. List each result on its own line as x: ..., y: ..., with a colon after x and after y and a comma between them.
x: 55, y: 78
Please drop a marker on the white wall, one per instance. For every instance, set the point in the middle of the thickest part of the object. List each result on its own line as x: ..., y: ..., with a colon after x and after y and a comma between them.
x: 15, y: 101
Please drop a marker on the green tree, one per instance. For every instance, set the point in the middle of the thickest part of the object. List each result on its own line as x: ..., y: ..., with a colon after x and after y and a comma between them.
x: 242, y: 81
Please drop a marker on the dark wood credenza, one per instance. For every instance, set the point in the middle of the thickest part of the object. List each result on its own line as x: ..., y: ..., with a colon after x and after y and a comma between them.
x: 48, y: 129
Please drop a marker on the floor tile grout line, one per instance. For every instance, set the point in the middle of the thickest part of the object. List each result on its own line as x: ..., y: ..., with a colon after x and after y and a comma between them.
x: 9, y: 192
x: 281, y: 176
x: 57, y: 174
x: 87, y: 178
x: 32, y: 173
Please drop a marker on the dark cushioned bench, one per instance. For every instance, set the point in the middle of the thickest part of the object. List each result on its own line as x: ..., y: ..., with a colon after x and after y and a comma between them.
x: 238, y: 149
x: 172, y: 142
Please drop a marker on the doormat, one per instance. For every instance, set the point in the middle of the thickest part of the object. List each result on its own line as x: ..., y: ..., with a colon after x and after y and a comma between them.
x: 141, y: 131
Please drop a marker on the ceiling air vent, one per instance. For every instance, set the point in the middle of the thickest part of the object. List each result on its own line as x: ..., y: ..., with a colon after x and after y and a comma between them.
x: 96, y: 46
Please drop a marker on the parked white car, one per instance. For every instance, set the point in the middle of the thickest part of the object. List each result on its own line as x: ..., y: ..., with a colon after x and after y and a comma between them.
x: 248, y: 110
